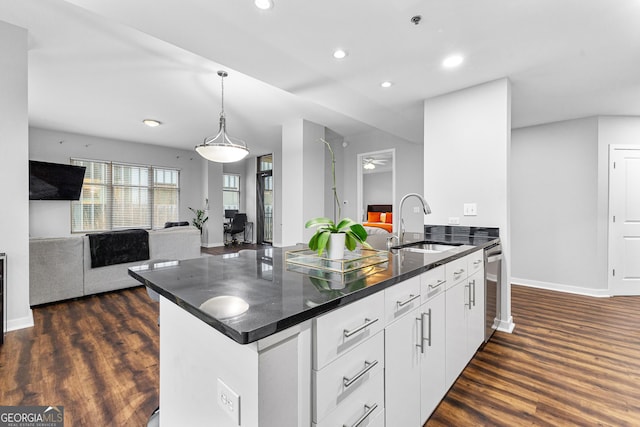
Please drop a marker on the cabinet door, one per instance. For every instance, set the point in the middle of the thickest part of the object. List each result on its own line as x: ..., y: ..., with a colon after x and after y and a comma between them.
x: 456, y: 331
x: 402, y: 372
x: 432, y: 359
x: 476, y: 320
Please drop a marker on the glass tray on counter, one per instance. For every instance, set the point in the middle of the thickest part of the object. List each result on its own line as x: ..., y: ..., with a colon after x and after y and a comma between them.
x: 353, y: 260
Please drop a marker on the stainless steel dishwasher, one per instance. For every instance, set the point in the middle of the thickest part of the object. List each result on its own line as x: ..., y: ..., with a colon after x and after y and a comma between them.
x: 492, y: 287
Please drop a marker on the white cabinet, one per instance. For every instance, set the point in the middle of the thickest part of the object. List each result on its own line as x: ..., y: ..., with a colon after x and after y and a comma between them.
x: 402, y: 373
x: 403, y: 348
x: 348, y: 364
x: 415, y: 356
x: 464, y: 314
x: 432, y: 356
x: 476, y: 318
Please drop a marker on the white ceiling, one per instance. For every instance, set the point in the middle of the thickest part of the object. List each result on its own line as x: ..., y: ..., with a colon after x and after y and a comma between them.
x: 101, y: 66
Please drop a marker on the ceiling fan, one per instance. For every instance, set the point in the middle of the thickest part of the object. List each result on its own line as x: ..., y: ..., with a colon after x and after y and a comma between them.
x: 371, y: 163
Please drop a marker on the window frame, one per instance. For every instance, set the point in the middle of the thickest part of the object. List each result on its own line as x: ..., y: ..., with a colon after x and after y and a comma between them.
x: 109, y: 185
x: 231, y: 190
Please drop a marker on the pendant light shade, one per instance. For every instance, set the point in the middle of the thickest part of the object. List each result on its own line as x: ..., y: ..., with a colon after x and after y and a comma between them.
x: 223, y: 148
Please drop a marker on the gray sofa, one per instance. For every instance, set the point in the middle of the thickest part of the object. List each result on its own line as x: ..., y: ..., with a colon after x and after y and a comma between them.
x: 60, y: 268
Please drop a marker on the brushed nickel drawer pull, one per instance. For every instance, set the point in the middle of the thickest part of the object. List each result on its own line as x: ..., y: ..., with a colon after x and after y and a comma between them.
x: 366, y: 324
x: 412, y: 297
x: 368, y: 410
x: 367, y: 367
x: 477, y: 262
x: 459, y: 272
x: 438, y: 283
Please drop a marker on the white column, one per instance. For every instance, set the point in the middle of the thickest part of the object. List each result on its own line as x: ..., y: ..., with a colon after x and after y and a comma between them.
x: 467, y: 142
x: 14, y: 173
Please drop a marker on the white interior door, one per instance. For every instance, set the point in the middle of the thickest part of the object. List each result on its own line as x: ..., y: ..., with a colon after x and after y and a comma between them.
x: 624, y: 210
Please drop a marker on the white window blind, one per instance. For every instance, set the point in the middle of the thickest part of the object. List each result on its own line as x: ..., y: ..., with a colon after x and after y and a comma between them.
x: 118, y: 196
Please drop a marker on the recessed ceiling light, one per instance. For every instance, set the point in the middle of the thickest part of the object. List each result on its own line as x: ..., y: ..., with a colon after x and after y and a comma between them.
x: 339, y: 54
x: 386, y: 84
x: 151, y: 123
x: 452, y: 61
x: 263, y: 4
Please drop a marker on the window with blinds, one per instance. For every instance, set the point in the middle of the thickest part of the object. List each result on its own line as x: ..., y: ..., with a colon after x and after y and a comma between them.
x: 117, y: 196
x: 231, y: 191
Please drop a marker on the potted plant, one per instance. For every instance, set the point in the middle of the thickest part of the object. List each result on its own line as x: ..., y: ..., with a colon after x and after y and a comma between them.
x: 334, y: 235
x: 200, y: 218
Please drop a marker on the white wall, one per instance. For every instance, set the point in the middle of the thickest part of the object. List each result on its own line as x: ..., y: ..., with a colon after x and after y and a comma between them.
x: 377, y: 188
x: 409, y: 178
x: 466, y: 160
x: 49, y: 218
x: 303, y: 175
x: 555, y: 207
x: 14, y: 173
x: 560, y: 202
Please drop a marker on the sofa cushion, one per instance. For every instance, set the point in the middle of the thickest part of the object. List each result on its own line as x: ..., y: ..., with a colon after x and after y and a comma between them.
x: 56, y: 269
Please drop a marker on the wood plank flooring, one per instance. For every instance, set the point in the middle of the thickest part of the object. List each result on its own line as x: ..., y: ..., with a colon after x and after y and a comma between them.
x: 96, y: 356
x: 572, y: 360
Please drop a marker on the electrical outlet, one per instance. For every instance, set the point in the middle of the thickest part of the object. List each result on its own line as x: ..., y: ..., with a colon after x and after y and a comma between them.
x: 454, y: 220
x: 470, y: 209
x: 229, y: 401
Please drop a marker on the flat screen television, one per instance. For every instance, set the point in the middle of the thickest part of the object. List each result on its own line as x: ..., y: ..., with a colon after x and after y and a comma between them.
x: 54, y: 181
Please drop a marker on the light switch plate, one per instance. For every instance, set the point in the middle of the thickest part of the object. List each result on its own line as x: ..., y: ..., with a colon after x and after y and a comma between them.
x: 229, y: 401
x: 470, y: 209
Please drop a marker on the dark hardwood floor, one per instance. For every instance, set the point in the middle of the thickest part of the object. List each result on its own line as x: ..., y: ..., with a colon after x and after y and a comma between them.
x: 572, y: 360
x: 96, y: 356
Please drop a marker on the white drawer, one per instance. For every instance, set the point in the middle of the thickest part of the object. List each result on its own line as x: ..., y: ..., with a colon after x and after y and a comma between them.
x: 401, y: 298
x: 346, y: 375
x: 353, y: 407
x: 432, y: 283
x: 342, y: 329
x: 475, y: 262
x: 456, y: 271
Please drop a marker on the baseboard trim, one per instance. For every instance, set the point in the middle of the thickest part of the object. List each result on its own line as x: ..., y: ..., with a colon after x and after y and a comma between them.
x: 212, y: 245
x: 20, y: 323
x: 504, y: 325
x: 598, y: 293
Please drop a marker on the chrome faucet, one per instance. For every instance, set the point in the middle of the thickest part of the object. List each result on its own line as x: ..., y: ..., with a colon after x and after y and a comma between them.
x: 425, y: 208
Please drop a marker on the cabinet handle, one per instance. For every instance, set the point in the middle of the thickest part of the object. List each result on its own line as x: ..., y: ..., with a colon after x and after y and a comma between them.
x: 474, y: 292
x: 459, y: 272
x: 428, y: 337
x: 438, y: 283
x: 368, y: 410
x: 422, y: 337
x: 468, y: 286
x: 367, y: 367
x: 408, y: 300
x: 366, y: 324
x: 477, y: 262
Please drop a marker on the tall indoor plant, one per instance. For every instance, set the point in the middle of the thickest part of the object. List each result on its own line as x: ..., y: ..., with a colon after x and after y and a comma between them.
x: 200, y: 218
x: 334, y: 235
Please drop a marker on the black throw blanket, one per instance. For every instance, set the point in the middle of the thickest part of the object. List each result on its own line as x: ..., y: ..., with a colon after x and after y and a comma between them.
x: 118, y: 247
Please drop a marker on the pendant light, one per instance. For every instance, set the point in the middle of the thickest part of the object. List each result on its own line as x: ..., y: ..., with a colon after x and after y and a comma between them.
x: 223, y: 148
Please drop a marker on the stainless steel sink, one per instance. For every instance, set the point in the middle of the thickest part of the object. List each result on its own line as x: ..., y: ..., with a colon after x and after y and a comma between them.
x: 429, y: 248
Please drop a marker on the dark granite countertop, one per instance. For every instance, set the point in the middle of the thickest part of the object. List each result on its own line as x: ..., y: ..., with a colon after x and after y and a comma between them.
x: 267, y: 295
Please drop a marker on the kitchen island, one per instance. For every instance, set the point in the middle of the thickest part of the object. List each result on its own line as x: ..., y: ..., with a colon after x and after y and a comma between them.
x: 250, y: 340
